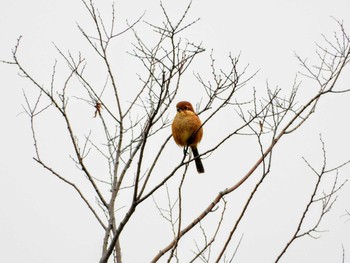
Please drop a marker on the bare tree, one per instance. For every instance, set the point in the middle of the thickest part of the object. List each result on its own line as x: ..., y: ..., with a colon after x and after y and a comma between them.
x: 136, y: 129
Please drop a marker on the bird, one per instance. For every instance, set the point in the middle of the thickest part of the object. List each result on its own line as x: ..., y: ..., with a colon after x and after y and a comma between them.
x: 187, y: 130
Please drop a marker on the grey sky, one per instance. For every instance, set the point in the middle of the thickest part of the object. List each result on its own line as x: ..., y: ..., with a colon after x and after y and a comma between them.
x: 43, y: 220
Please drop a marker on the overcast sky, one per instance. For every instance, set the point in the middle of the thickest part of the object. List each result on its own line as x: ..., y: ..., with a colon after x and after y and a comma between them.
x: 43, y: 220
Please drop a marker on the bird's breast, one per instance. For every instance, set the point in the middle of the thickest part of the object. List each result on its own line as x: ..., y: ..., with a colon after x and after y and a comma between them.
x: 186, y: 124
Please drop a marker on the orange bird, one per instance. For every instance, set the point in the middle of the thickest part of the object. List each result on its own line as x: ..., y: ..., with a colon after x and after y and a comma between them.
x: 187, y: 130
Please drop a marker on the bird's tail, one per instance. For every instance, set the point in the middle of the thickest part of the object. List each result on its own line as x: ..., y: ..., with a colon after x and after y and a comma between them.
x: 197, y: 159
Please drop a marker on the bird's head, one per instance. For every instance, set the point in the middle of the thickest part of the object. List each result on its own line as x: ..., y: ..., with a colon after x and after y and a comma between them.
x: 184, y: 105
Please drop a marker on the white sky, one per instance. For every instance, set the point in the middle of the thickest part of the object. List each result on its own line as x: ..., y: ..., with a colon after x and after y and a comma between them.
x: 43, y: 220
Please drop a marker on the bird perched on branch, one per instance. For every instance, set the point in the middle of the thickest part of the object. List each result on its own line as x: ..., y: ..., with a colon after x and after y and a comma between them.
x: 187, y: 130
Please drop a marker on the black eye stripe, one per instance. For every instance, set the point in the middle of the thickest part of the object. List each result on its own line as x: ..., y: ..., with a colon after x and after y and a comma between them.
x: 183, y: 108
